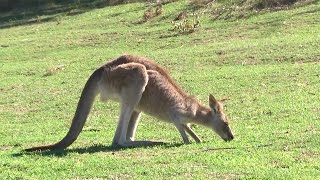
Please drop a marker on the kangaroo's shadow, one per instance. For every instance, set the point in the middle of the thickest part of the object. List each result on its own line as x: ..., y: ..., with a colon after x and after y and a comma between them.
x: 94, y: 149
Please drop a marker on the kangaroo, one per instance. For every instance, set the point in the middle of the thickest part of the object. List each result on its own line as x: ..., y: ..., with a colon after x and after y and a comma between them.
x: 140, y: 85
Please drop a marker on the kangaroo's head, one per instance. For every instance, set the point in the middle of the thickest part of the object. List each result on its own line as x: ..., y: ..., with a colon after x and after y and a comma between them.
x: 219, y: 119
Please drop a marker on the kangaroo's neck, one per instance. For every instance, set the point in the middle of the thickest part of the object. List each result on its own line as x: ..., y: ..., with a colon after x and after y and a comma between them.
x: 201, y: 114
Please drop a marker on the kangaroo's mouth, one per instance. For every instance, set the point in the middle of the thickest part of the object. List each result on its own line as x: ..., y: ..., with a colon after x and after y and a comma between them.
x: 229, y: 138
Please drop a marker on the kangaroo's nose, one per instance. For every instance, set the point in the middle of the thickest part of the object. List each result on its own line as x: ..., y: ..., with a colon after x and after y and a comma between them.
x: 230, y: 137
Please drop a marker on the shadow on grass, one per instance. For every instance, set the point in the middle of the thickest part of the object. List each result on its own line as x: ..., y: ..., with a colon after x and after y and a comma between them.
x: 244, y: 147
x: 45, y: 13
x: 93, y: 149
x: 113, y: 149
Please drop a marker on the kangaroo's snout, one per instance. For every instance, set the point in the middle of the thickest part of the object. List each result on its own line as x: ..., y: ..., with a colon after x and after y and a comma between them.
x: 229, y: 137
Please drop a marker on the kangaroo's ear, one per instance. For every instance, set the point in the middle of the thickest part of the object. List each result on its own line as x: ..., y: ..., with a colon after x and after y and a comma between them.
x: 213, y: 103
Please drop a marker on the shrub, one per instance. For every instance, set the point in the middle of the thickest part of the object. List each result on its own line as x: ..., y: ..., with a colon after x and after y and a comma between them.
x: 185, y: 26
x: 266, y: 4
x: 152, y: 12
x: 199, y: 3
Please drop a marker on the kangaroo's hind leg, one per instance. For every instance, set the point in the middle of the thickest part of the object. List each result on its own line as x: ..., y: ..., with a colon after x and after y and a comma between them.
x: 131, y: 131
x: 131, y: 78
x: 133, y: 124
x: 127, y: 128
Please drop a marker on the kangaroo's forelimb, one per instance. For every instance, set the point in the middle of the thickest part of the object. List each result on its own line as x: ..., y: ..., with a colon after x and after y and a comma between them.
x: 191, y: 133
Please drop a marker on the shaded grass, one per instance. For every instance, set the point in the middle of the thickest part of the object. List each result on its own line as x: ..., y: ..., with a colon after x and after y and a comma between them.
x: 31, y: 12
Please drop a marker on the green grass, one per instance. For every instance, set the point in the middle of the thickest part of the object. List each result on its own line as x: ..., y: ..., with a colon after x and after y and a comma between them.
x: 267, y: 64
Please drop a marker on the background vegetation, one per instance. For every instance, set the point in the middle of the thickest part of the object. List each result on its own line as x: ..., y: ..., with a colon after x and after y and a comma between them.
x: 263, y: 56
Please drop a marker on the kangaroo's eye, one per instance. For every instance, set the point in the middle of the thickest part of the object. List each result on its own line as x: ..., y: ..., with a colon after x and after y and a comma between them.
x: 214, y: 111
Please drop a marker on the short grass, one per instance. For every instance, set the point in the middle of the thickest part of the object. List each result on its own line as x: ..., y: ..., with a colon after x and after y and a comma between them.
x: 267, y: 65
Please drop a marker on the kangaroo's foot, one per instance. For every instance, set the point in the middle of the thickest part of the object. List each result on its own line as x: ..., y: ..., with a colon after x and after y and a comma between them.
x: 137, y: 143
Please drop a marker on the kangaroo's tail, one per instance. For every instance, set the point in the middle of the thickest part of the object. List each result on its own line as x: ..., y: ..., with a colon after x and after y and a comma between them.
x: 83, y: 109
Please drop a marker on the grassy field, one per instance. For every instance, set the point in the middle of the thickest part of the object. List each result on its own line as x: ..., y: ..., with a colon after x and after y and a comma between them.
x: 267, y: 64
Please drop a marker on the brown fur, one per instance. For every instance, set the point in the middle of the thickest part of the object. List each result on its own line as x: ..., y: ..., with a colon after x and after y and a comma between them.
x: 141, y: 85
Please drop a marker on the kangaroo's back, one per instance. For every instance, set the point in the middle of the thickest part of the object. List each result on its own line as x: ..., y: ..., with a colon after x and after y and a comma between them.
x: 124, y: 59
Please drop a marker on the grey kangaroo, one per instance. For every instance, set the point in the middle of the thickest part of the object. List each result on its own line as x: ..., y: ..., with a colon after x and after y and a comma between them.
x: 141, y: 85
